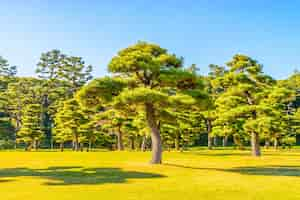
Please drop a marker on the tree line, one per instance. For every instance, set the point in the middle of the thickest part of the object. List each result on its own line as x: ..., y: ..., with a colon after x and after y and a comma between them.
x: 149, y: 100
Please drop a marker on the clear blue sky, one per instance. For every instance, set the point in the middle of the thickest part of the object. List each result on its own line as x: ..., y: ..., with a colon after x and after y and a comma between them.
x: 203, y: 32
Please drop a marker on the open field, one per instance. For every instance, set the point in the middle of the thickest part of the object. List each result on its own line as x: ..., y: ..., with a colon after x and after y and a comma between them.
x: 215, y: 175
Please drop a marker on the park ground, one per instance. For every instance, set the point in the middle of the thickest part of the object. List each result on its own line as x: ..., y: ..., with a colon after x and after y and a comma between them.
x: 198, y: 174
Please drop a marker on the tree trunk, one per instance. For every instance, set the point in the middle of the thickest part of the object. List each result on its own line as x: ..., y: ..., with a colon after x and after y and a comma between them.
x: 35, y: 145
x: 267, y: 143
x: 61, y: 146
x: 143, y: 146
x: 254, y: 136
x: 215, y: 141
x: 209, y: 138
x: 18, y: 127
x: 51, y: 143
x: 225, y: 140
x: 132, y: 146
x: 120, y: 144
x: 155, y: 134
x: 237, y: 141
x: 76, y: 144
x: 255, y: 144
x: 81, y: 145
x: 275, y: 143
x: 177, y: 138
x: 90, y: 145
x: 29, y: 146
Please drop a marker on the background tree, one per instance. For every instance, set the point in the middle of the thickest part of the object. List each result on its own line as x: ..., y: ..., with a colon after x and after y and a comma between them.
x: 31, y: 130
x: 68, y: 121
x: 246, y: 85
x: 7, y: 70
x: 63, y: 76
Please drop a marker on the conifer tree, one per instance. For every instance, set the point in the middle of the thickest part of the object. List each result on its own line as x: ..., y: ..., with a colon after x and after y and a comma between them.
x: 246, y: 86
x: 67, y: 123
x: 31, y: 130
x: 155, y: 79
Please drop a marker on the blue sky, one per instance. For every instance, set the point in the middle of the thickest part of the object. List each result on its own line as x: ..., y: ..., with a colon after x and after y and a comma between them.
x: 203, y: 32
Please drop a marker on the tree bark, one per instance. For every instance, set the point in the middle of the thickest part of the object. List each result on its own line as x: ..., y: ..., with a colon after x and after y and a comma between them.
x: 143, y: 146
x: 255, y: 144
x: 61, y: 146
x: 90, y: 145
x: 81, y: 146
x: 254, y: 136
x: 267, y: 143
x: 155, y: 134
x: 209, y: 138
x: 237, y: 141
x: 132, y: 145
x: 215, y: 141
x: 120, y: 144
x: 29, y: 147
x: 76, y: 144
x: 35, y: 145
x: 225, y: 140
x: 275, y: 143
x: 177, y: 146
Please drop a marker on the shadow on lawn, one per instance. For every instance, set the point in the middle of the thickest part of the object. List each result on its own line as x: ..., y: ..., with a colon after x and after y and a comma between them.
x: 5, y: 181
x: 218, y: 154
x: 272, y: 170
x: 73, y: 175
x: 245, y: 153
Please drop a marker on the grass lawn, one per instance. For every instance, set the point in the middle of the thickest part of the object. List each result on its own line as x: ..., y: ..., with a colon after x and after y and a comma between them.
x: 207, y: 175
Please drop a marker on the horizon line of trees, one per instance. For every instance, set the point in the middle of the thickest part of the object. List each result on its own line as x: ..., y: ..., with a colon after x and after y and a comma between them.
x: 150, y: 100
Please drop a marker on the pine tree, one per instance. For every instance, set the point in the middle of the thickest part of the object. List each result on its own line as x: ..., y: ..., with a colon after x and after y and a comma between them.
x: 246, y: 86
x: 31, y: 130
x: 155, y: 79
x: 67, y: 123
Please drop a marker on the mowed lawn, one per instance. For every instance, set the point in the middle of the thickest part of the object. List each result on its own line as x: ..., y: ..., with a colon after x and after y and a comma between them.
x: 203, y: 174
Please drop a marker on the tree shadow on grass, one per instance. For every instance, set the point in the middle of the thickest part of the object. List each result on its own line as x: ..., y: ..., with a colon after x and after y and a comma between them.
x: 76, y: 175
x: 271, y: 170
x: 268, y: 170
x: 218, y: 154
x: 5, y: 181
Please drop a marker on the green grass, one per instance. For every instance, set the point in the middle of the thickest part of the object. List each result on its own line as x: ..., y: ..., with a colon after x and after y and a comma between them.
x: 202, y: 174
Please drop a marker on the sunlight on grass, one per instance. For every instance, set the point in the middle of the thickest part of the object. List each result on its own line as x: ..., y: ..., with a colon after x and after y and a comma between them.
x: 203, y: 174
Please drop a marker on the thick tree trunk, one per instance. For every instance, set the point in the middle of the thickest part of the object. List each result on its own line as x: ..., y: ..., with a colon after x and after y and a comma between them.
x: 61, y: 146
x: 225, y: 140
x: 255, y: 144
x: 143, y: 146
x: 155, y: 134
x: 254, y: 136
x: 120, y: 144
x: 177, y: 138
